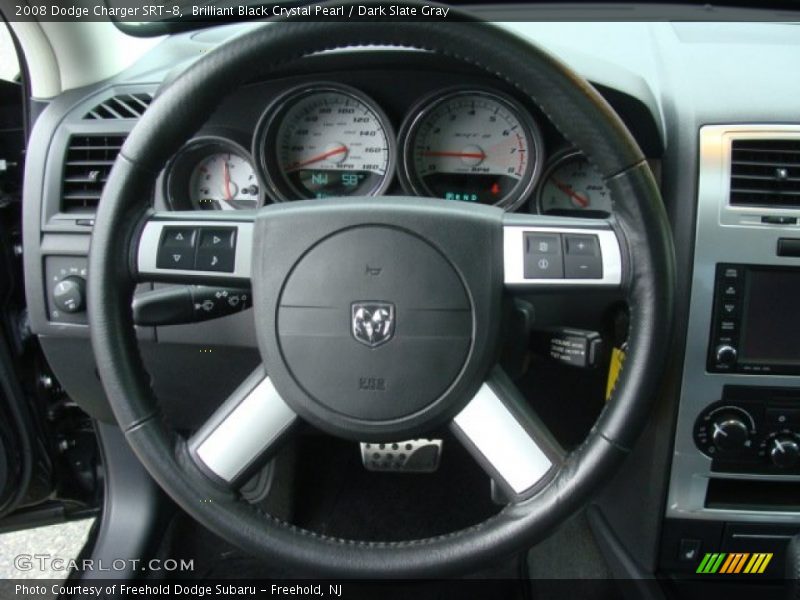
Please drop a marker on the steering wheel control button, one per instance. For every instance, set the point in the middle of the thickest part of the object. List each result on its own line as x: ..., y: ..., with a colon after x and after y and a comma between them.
x: 217, y: 250
x: 179, y: 237
x: 209, y: 259
x: 581, y: 245
x: 218, y: 238
x: 543, y: 256
x: 543, y: 243
x: 176, y: 248
x: 410, y: 456
x: 582, y: 259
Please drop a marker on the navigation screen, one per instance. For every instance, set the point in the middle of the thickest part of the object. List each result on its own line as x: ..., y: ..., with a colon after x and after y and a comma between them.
x: 771, y: 323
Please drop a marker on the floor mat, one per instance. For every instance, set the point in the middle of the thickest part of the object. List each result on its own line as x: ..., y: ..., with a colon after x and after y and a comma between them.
x: 337, y: 496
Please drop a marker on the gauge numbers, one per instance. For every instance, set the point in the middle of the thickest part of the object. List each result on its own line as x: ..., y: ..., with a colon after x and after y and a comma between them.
x: 571, y: 183
x: 223, y: 181
x: 213, y: 173
x: 472, y: 146
x: 327, y: 142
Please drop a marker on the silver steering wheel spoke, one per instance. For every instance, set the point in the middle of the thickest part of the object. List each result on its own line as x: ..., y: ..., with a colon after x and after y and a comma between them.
x: 244, y: 432
x: 507, y: 439
x: 204, y: 248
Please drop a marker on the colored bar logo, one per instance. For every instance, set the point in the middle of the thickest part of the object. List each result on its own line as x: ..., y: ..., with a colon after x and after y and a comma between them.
x: 734, y: 562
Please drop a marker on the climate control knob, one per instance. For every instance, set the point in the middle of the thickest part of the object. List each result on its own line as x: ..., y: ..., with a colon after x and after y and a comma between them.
x: 69, y: 294
x: 729, y: 433
x: 784, y: 452
x: 725, y: 354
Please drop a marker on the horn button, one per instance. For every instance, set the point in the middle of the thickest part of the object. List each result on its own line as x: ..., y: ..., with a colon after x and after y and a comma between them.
x: 374, y: 323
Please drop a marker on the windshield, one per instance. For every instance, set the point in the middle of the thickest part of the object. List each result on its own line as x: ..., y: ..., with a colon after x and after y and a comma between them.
x: 9, y: 65
x: 165, y: 16
x: 158, y: 17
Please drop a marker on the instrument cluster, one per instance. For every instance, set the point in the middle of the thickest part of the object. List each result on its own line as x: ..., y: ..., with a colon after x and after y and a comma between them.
x: 467, y: 144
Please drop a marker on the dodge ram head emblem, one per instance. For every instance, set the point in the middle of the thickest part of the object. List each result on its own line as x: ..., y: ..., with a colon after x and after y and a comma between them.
x: 373, y: 322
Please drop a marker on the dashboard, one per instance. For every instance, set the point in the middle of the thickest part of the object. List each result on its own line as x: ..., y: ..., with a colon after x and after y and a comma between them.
x: 437, y: 130
x: 326, y: 139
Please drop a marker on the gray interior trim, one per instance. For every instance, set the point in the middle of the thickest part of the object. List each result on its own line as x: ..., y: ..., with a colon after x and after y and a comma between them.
x: 724, y: 234
x: 502, y: 441
x: 228, y: 447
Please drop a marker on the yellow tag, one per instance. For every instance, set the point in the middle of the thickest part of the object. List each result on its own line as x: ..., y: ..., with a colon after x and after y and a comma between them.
x: 617, y: 358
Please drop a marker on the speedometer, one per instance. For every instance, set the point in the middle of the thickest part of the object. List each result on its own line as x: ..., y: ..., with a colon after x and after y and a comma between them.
x: 327, y: 141
x: 474, y: 146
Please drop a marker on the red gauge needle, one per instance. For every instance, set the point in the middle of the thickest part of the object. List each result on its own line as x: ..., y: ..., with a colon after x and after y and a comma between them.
x: 317, y: 158
x: 583, y: 201
x: 479, y: 155
x: 226, y: 174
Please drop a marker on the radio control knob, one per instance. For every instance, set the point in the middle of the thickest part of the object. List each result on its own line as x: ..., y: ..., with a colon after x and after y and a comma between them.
x: 729, y: 433
x: 784, y: 452
x: 726, y: 355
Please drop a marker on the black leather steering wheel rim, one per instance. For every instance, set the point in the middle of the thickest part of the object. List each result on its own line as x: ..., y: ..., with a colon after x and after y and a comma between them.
x: 582, y: 116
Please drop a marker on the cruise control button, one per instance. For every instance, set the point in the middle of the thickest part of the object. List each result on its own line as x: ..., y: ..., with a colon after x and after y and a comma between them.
x: 543, y: 258
x: 583, y: 267
x: 581, y: 245
x: 218, y: 238
x: 544, y: 267
x: 540, y: 243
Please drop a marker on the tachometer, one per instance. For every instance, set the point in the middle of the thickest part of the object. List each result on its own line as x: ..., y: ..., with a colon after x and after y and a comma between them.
x: 329, y: 140
x: 213, y: 173
x: 571, y: 183
x: 474, y: 146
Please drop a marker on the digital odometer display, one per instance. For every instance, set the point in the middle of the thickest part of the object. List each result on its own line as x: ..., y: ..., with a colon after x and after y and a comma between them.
x: 328, y: 142
x: 472, y: 146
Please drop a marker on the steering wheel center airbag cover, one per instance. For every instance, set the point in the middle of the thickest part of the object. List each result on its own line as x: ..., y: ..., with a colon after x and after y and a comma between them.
x: 381, y: 314
x: 374, y: 323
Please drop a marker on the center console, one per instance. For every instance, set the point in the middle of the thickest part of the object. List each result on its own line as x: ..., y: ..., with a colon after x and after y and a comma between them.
x: 735, y: 479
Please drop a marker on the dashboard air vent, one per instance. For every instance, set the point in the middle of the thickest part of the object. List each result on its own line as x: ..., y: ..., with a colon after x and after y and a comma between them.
x: 88, y: 161
x: 121, y: 106
x: 765, y: 173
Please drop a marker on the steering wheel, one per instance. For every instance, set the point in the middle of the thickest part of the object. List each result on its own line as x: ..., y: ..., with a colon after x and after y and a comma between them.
x: 428, y: 277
